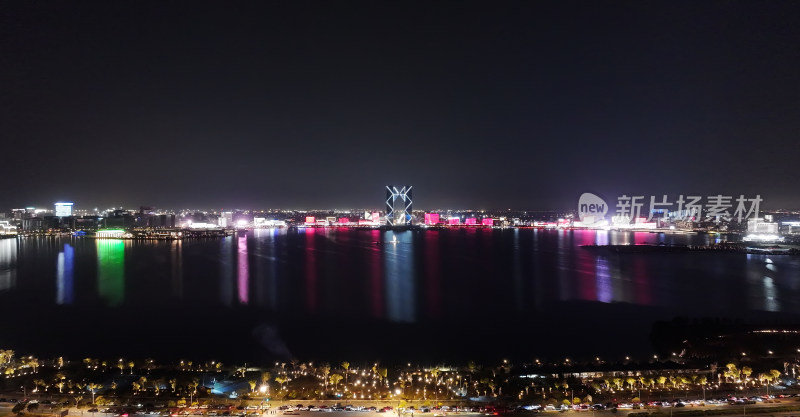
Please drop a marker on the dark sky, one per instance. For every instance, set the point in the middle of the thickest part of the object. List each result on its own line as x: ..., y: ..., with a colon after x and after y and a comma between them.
x: 298, y: 104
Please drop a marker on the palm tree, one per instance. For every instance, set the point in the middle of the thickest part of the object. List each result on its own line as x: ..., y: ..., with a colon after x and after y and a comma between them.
x: 345, y: 366
x: 33, y: 363
x: 732, y: 372
x: 142, y: 382
x: 173, y: 383
x: 335, y: 379
x: 193, y: 386
x: 774, y: 374
x: 121, y: 366
x: 326, y: 370
x: 252, y: 384
x: 130, y: 365
x: 281, y: 380
x: 631, y: 382
x: 93, y: 387
x: 435, y: 373
x: 6, y: 356
x: 383, y: 372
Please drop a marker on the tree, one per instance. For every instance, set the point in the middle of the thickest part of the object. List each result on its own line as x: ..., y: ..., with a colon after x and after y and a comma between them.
x: 93, y: 388
x: 731, y: 372
x: 194, y: 384
x: 631, y: 382
x: 40, y: 383
x: 33, y: 363
x: 774, y: 374
x: 746, y: 371
x: 661, y: 380
x: 576, y: 400
x: 265, y: 377
x: 618, y: 383
x: 142, y: 382
x: 335, y: 379
x: 130, y: 365
x: 77, y: 399
x: 281, y: 380
x: 252, y: 384
x: 326, y: 370
x: 345, y: 366
x: 6, y: 356
x: 121, y: 366
x: 173, y: 383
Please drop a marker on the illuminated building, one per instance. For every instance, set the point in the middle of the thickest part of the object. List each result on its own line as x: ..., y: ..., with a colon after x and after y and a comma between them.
x: 759, y: 226
x: 226, y: 219
x: 431, y: 218
x: 63, y: 209
x: 7, y: 228
x: 759, y: 230
x: 398, y: 205
x: 110, y: 233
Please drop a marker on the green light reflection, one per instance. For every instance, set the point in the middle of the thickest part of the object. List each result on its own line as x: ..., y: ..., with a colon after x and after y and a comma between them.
x: 111, y: 271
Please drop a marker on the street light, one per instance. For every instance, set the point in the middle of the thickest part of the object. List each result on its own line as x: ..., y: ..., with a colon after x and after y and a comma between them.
x: 263, y: 389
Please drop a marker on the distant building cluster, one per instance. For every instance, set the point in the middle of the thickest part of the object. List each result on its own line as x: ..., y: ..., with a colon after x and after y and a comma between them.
x: 686, y: 213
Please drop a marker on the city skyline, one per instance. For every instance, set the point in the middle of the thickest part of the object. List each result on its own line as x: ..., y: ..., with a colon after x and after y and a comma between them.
x: 515, y: 105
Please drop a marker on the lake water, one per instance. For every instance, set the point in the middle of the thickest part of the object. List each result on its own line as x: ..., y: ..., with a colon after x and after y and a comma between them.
x: 335, y: 294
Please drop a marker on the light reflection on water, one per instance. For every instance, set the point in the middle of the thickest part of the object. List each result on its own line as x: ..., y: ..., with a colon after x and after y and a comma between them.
x: 426, y: 275
x: 64, y: 277
x: 111, y: 271
x: 8, y: 263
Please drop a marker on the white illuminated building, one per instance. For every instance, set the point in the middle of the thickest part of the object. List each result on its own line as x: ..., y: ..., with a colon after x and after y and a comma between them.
x: 63, y: 209
x: 191, y: 225
x: 7, y: 228
x: 262, y: 222
x: 759, y: 230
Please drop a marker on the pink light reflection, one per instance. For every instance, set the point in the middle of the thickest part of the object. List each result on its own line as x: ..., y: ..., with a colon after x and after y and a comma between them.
x: 311, y: 271
x: 376, y: 277
x: 433, y: 274
x: 243, y: 270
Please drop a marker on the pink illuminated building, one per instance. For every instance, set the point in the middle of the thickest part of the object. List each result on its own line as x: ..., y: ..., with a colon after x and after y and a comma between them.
x: 431, y: 218
x: 454, y: 221
x: 471, y: 221
x: 487, y: 222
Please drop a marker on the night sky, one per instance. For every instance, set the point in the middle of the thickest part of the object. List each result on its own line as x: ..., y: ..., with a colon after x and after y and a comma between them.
x: 298, y: 104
